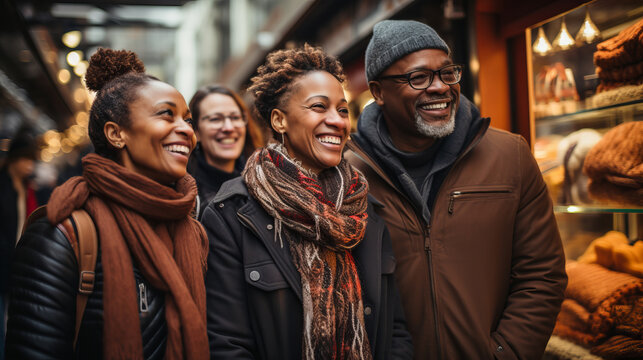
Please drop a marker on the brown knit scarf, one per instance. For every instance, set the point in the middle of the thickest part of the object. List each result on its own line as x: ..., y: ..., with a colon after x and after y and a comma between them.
x: 324, y: 217
x: 141, y: 221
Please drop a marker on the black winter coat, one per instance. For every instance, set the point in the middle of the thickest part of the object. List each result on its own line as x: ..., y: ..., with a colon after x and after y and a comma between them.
x: 208, y: 178
x: 254, y: 290
x: 8, y: 228
x: 42, y: 308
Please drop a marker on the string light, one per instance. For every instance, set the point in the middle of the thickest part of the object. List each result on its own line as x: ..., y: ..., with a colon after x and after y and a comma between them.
x: 71, y: 39
x: 81, y: 68
x: 564, y: 39
x: 64, y: 76
x: 541, y: 45
x: 74, y: 57
x: 588, y: 31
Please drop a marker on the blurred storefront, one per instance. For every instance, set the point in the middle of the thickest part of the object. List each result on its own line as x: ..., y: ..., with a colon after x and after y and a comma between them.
x: 543, y: 93
x: 192, y: 43
x: 44, y: 51
x: 45, y: 47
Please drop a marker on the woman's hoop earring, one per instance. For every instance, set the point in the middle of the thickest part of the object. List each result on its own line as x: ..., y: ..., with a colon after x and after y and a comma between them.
x: 282, y: 138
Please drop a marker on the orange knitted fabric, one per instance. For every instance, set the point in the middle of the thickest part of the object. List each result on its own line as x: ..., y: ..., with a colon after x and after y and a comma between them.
x: 622, y: 74
x: 598, y: 289
x: 573, y: 323
x: 629, y: 319
x: 623, y: 49
x: 629, y: 259
x: 613, y: 251
x: 617, y: 160
x: 608, y: 193
x: 619, y: 347
x: 600, y: 251
x: 618, y: 156
x: 627, y: 343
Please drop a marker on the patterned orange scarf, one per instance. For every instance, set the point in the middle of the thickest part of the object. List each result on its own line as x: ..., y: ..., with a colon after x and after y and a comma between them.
x: 324, y: 216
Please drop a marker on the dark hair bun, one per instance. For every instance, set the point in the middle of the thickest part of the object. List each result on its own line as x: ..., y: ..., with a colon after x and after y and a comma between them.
x: 108, y: 64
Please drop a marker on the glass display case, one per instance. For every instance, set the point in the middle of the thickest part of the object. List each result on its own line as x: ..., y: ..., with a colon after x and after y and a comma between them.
x: 585, y: 73
x: 586, y: 78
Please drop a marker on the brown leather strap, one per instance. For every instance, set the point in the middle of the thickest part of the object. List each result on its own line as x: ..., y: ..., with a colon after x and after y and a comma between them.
x: 87, y: 254
x: 84, y: 241
x: 68, y: 230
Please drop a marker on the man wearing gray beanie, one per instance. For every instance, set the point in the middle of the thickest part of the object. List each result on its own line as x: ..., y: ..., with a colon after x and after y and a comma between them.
x: 479, y: 261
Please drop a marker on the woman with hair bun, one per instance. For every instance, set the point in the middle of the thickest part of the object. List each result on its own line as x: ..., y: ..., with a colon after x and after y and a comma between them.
x: 148, y: 300
x: 300, y: 266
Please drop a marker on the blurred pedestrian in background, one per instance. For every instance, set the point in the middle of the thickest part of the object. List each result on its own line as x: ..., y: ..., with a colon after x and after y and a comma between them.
x: 227, y: 134
x: 148, y: 299
x: 17, y: 201
x: 300, y: 266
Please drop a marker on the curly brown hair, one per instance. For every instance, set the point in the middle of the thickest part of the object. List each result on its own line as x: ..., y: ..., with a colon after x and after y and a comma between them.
x: 272, y: 85
x: 115, y: 75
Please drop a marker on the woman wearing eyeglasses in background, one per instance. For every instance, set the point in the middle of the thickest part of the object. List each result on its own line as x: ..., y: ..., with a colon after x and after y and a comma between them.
x: 227, y: 134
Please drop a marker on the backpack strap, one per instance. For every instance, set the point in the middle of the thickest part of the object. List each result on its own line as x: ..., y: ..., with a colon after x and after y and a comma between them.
x: 83, y: 239
x: 87, y: 254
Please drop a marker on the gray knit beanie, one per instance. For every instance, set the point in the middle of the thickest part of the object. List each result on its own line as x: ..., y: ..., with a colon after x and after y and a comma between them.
x: 393, y: 39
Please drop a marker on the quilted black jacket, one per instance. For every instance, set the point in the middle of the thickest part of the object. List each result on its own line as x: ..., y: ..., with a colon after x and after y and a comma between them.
x: 42, y: 308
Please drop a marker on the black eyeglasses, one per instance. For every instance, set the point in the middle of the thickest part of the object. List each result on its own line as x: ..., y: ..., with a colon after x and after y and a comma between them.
x: 422, y: 79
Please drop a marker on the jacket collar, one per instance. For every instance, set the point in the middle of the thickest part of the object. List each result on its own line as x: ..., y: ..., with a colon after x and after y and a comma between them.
x: 231, y: 188
x: 372, y: 137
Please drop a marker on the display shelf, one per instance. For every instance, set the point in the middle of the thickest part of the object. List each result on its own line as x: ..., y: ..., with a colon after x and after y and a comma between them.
x: 597, y: 118
x: 589, y: 209
x: 634, y: 106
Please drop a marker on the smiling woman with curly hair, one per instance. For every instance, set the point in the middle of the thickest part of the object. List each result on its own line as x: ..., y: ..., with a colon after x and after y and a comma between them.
x: 300, y: 266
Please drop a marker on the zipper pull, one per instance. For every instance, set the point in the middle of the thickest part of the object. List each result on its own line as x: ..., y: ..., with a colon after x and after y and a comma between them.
x: 142, y: 295
x: 427, y: 236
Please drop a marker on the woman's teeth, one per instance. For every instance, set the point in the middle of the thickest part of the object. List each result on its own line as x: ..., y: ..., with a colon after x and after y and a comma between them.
x: 438, y: 106
x: 228, y: 141
x: 181, y: 149
x: 331, y: 139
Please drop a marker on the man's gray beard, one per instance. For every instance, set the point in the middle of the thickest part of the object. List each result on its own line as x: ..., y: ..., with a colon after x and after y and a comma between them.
x: 435, y: 131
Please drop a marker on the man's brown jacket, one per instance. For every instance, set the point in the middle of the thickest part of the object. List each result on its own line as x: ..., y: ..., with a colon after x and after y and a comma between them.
x: 485, y: 279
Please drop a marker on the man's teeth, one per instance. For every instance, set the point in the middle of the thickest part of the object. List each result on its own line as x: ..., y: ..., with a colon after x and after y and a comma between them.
x: 331, y: 139
x: 181, y: 149
x: 228, y: 141
x: 438, y: 106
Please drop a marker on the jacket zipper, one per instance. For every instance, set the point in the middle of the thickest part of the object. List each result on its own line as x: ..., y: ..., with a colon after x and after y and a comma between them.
x: 142, y: 298
x: 456, y: 194
x: 427, y: 246
x: 434, y: 297
x: 427, y: 249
